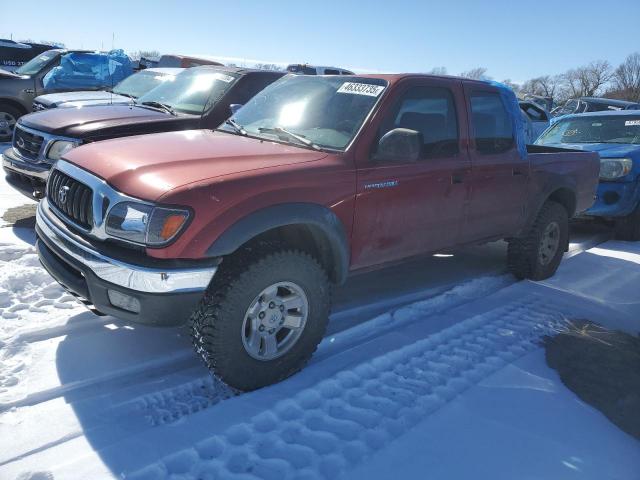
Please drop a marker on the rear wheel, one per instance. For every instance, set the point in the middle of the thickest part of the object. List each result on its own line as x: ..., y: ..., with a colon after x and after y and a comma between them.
x: 628, y: 228
x: 262, y: 318
x: 8, y: 117
x: 537, y: 255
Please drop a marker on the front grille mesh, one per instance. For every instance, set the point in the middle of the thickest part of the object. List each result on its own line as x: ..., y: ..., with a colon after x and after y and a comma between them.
x: 27, y: 144
x: 71, y: 197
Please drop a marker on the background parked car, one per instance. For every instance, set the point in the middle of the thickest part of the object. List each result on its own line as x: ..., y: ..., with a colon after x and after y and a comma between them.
x: 123, y: 93
x: 616, y: 137
x: 545, y: 102
x: 56, y: 71
x: 184, y: 61
x: 15, y: 54
x: 306, y: 69
x: 593, y: 104
x: 199, y: 97
x: 536, y: 120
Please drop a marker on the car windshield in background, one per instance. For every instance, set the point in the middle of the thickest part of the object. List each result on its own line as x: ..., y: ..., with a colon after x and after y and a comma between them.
x: 36, y: 64
x: 137, y: 85
x: 591, y: 129
x: 325, y: 110
x: 189, y: 91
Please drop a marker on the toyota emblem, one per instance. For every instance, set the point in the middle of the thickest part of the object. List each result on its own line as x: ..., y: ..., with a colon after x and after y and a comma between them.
x: 20, y: 142
x: 62, y: 194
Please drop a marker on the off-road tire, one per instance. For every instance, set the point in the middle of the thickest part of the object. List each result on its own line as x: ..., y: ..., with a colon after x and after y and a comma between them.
x: 628, y: 228
x: 14, y: 112
x: 523, y: 252
x: 216, y: 325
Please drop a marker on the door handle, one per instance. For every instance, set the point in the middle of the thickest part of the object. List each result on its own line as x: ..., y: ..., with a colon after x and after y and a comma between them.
x: 29, y: 91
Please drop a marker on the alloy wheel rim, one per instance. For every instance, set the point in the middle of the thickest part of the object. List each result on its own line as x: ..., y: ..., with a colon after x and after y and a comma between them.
x: 549, y: 243
x: 274, y: 321
x: 7, y: 124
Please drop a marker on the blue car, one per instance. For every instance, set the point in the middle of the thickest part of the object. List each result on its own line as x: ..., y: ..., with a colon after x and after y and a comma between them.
x: 615, y: 135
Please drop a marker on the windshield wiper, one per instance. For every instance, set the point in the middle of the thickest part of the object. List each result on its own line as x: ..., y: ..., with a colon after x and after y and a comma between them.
x: 124, y: 95
x: 236, y: 126
x: 160, y: 106
x: 295, y: 136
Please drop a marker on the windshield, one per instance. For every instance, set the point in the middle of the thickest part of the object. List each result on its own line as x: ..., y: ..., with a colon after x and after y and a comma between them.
x: 140, y: 83
x: 189, y: 91
x: 36, y: 64
x: 327, y: 111
x: 590, y: 129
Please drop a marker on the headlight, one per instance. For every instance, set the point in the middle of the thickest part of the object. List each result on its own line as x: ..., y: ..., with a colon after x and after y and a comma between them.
x: 612, y: 168
x: 145, y: 224
x: 59, y: 148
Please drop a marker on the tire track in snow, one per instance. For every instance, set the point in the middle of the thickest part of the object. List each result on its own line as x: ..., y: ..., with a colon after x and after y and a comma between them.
x: 328, y: 428
x: 172, y: 404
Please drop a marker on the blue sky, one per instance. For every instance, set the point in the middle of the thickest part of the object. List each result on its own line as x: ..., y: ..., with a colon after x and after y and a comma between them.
x: 514, y: 40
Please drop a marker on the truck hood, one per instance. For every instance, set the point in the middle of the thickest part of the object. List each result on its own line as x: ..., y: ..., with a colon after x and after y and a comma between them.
x: 81, y: 99
x: 607, y: 150
x: 148, y: 166
x: 96, y: 120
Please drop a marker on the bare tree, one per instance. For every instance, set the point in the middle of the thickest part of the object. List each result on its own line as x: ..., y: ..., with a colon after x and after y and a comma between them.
x: 544, y: 86
x: 589, y: 80
x: 478, y: 73
x: 437, y: 71
x: 626, y: 78
x: 513, y: 86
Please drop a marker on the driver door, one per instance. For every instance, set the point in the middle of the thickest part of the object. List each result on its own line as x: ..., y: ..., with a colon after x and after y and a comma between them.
x: 404, y: 208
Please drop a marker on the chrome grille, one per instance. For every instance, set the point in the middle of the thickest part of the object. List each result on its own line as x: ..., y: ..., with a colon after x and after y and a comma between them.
x: 26, y: 143
x: 71, y: 197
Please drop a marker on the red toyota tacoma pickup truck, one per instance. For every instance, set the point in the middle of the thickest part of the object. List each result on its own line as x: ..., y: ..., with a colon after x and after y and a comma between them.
x: 244, y: 230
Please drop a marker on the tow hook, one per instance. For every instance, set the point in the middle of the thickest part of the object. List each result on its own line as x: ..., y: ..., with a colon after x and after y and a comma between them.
x: 38, y: 194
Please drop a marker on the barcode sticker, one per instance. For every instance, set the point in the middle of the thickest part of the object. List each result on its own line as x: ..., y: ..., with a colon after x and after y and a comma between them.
x: 361, y: 89
x: 632, y: 123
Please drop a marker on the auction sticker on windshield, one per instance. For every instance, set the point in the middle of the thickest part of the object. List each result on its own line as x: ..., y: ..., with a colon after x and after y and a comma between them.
x: 361, y: 89
x: 632, y: 123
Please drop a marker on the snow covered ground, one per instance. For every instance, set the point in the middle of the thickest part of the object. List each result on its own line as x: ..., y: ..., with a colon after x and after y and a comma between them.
x: 429, y: 370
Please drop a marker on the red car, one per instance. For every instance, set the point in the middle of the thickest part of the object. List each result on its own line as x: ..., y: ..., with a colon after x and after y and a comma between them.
x: 244, y: 230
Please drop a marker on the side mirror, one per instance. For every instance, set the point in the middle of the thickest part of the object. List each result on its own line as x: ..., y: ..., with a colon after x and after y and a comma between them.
x: 234, y: 107
x: 399, y: 145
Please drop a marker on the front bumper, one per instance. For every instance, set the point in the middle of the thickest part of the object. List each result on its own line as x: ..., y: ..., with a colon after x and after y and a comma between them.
x: 615, y: 199
x: 13, y: 163
x: 165, y: 296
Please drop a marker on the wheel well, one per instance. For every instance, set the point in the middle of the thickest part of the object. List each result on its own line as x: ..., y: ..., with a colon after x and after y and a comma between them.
x: 566, y: 198
x: 306, y: 238
x: 14, y: 104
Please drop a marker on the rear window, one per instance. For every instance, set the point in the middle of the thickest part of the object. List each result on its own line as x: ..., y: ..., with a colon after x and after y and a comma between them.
x: 492, y: 126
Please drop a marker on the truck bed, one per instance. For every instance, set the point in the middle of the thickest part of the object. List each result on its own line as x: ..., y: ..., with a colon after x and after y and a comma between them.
x: 577, y: 170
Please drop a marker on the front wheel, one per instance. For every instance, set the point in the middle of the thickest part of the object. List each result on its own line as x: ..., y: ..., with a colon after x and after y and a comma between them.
x: 262, y: 318
x: 537, y: 255
x: 8, y: 118
x: 628, y: 228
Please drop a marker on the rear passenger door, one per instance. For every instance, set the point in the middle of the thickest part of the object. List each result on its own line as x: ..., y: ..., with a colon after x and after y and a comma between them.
x: 500, y: 175
x: 405, y: 208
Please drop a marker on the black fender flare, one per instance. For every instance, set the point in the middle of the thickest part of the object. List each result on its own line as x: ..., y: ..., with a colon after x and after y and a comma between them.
x: 562, y: 185
x: 281, y: 215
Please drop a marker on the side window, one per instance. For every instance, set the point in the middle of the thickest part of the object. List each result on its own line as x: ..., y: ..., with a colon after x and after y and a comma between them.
x: 331, y: 71
x: 430, y: 111
x: 492, y: 123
